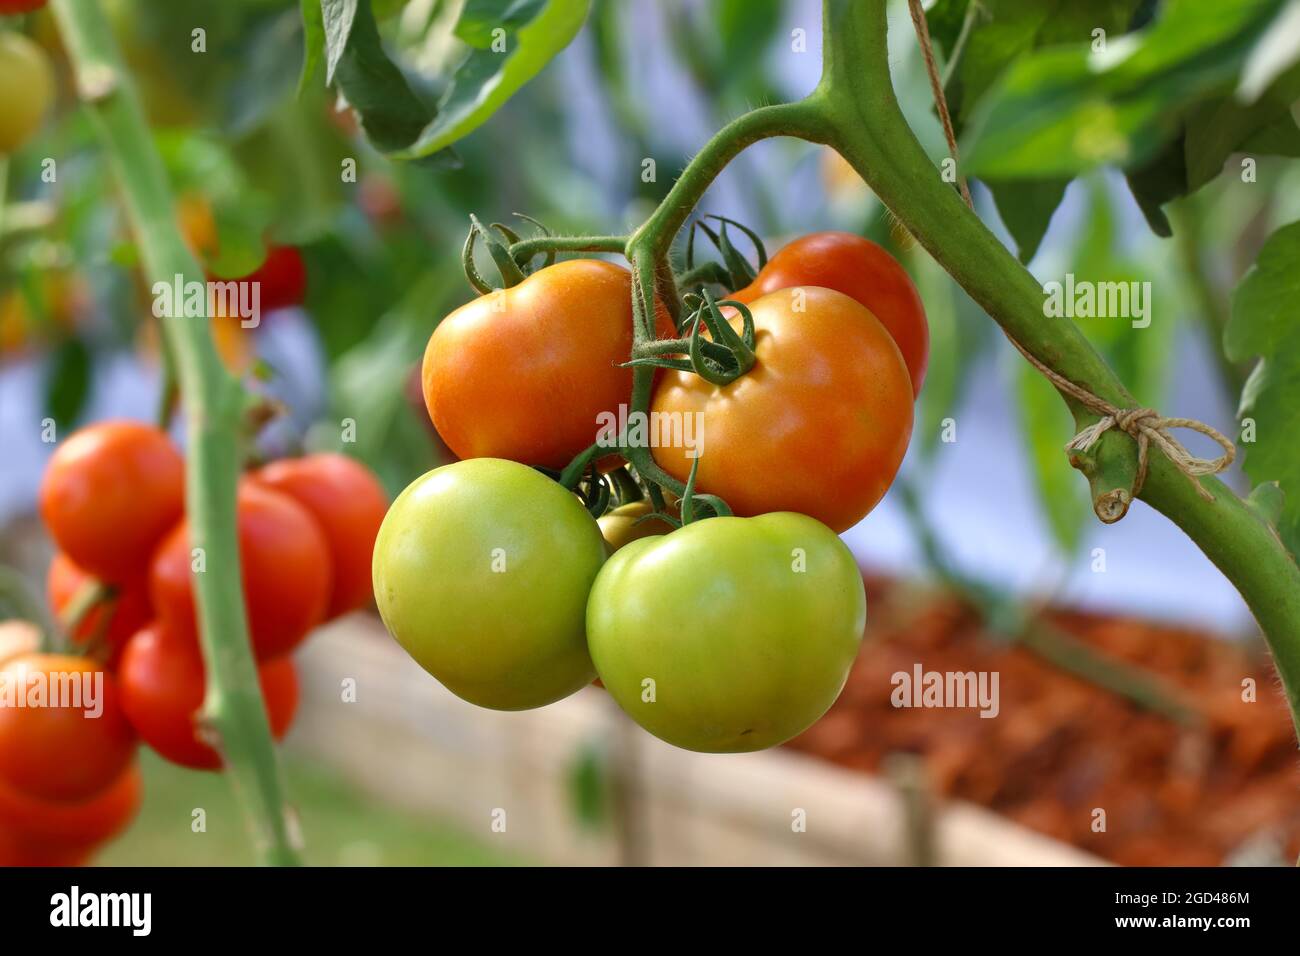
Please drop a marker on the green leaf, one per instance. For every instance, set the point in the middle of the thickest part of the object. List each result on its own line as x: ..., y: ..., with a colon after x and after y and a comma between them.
x: 267, y: 74
x: 480, y: 18
x: 1264, y: 316
x: 1004, y: 30
x: 1279, y: 138
x: 1267, y: 501
x: 1219, y: 127
x: 67, y: 381
x: 1046, y: 426
x: 313, y: 42
x: 590, y: 787
x: 1007, y: 29
x: 1277, y: 50
x: 1156, y: 182
x: 242, y: 227
x: 390, y: 113
x: 1065, y: 109
x: 1265, y: 323
x: 950, y: 351
x: 1026, y: 207
x: 337, y: 17
x: 488, y: 76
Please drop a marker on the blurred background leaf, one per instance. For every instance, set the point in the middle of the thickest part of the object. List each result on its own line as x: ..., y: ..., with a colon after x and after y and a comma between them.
x: 1264, y: 323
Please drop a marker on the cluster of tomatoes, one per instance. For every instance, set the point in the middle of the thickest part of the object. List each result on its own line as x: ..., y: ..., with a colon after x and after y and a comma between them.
x: 728, y: 634
x: 123, y: 582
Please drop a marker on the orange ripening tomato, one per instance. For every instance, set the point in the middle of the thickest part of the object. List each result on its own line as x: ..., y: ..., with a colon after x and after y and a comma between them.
x: 284, y: 557
x: 70, y: 742
x: 524, y: 373
x: 43, y: 833
x: 198, y: 225
x: 126, y: 612
x: 819, y: 425
x: 234, y: 343
x: 861, y: 270
x: 163, y: 683
x: 110, y: 492
x: 349, y: 504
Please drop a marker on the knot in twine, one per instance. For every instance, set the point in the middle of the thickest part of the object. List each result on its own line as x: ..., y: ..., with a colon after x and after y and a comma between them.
x: 1146, y: 426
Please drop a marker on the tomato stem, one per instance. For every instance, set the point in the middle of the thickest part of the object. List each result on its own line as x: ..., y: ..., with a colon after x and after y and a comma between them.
x: 525, y: 249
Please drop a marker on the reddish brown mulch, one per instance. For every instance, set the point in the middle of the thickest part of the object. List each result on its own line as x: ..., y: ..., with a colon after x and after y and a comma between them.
x: 1061, y: 747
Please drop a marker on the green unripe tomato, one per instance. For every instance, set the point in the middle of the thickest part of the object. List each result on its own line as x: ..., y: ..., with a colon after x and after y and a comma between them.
x: 481, y: 572
x: 26, y: 89
x: 730, y: 634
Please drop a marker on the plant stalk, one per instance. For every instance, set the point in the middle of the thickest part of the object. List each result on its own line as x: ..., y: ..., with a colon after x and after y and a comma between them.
x: 213, y: 400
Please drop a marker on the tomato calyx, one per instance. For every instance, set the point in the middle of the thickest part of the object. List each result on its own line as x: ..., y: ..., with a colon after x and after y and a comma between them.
x: 719, y: 360
x: 89, y: 597
x: 735, y: 271
x: 511, y: 272
x: 514, y: 256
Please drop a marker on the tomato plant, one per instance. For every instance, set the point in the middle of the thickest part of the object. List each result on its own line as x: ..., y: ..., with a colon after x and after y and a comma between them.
x: 348, y: 503
x: 481, y: 572
x: 730, y: 634
x: 109, y: 493
x: 283, y: 556
x: 861, y: 270
x: 805, y: 393
x: 26, y: 89
x: 524, y: 372
x: 162, y: 681
x: 829, y: 398
x: 64, y: 737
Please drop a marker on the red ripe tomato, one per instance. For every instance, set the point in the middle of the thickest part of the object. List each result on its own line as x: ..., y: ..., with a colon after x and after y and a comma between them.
x: 70, y: 742
x: 109, y: 494
x: 861, y: 270
x: 349, y: 504
x: 284, y: 557
x: 20, y: 6
x: 283, y: 278
x: 524, y: 373
x: 163, y: 684
x: 16, y: 850
x: 819, y: 425
x: 126, y: 613
x: 41, y: 833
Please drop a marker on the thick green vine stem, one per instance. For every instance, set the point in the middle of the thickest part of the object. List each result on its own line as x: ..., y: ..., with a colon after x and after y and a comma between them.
x: 213, y: 401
